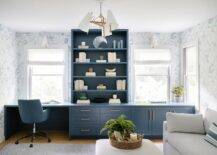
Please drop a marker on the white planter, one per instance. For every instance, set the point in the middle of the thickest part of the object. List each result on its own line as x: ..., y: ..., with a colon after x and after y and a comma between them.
x: 178, y: 99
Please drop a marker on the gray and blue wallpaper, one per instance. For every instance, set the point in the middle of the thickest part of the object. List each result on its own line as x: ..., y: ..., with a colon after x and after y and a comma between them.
x: 206, y: 35
x: 14, y: 46
x: 7, y: 72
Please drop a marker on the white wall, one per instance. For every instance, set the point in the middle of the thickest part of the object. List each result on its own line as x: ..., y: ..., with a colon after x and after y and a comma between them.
x: 7, y: 72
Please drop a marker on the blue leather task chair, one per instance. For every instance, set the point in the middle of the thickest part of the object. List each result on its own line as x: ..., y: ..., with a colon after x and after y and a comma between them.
x: 31, y: 112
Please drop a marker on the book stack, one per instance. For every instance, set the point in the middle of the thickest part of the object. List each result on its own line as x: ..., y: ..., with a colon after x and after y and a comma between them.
x: 82, y: 57
x: 83, y: 102
x: 79, y: 85
x: 112, y: 57
x: 121, y: 84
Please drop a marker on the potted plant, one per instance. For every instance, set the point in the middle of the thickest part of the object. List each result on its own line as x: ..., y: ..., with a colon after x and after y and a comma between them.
x: 178, y: 93
x: 120, y: 132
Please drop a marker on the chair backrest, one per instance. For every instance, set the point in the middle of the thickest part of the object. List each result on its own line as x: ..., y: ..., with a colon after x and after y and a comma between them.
x: 30, y: 111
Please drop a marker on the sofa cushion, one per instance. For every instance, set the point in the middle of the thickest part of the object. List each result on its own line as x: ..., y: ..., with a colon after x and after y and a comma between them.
x: 190, y: 144
x: 210, y: 117
x: 188, y: 123
x: 211, y: 135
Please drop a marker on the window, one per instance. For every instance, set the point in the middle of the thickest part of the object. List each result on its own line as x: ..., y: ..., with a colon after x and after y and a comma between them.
x: 191, y: 75
x: 45, y: 74
x: 152, y: 70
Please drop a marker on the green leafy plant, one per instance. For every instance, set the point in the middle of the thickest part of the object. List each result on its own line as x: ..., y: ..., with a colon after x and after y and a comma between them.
x: 82, y: 96
x: 121, y: 124
x: 178, y: 91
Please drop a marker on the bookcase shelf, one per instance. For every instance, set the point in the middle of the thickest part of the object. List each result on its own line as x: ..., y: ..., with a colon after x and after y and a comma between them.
x: 100, y: 49
x: 111, y: 91
x: 104, y: 77
x: 78, y: 69
x: 97, y: 63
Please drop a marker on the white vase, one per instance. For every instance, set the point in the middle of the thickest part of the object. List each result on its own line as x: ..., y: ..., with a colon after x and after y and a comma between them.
x: 178, y: 99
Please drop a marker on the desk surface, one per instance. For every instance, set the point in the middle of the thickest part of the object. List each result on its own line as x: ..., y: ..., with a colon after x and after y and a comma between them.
x: 68, y: 104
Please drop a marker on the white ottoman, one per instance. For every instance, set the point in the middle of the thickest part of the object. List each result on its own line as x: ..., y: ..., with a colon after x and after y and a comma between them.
x: 103, y: 147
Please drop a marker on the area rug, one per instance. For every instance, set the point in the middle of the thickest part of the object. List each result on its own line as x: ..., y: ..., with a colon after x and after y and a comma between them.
x: 52, y: 149
x: 49, y: 149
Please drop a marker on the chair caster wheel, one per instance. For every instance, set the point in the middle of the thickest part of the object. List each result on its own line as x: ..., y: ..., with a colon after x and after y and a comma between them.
x: 31, y: 145
x: 16, y: 142
x: 49, y: 140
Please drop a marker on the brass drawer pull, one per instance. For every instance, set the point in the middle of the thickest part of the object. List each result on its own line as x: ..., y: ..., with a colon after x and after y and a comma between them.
x: 115, y: 110
x: 85, y: 119
x: 85, y: 110
x: 85, y: 130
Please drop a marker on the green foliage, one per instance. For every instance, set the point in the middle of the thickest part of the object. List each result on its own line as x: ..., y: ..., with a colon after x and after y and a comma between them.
x: 82, y: 96
x: 178, y: 91
x: 121, y: 124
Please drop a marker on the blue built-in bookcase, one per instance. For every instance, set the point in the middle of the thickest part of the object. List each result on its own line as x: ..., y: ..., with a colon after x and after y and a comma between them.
x: 78, y: 69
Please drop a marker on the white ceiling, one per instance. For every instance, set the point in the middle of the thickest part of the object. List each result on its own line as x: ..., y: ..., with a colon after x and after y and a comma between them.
x: 137, y: 15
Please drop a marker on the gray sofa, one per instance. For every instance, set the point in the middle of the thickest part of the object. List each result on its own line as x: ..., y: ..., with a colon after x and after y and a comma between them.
x: 178, y: 142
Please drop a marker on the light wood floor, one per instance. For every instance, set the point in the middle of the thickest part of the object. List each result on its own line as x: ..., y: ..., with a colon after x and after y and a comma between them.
x: 56, y: 137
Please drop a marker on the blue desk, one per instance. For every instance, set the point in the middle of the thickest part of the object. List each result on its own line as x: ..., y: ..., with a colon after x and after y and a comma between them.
x: 87, y: 120
x: 58, y: 119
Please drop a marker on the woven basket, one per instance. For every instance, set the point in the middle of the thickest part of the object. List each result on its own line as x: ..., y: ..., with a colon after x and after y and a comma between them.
x: 126, y: 145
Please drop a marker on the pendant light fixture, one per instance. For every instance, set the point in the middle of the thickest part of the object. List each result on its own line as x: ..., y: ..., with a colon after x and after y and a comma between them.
x: 106, y: 24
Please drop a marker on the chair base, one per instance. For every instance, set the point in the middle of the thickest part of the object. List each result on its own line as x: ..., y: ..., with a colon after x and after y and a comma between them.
x: 33, y: 136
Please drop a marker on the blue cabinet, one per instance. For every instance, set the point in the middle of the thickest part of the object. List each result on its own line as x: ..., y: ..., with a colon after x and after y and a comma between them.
x: 141, y: 118
x: 86, y: 121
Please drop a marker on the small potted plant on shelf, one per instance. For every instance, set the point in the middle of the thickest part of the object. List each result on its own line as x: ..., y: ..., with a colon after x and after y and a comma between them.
x: 121, y: 133
x: 178, y: 93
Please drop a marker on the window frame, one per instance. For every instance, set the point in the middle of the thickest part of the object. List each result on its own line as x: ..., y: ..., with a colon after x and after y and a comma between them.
x: 184, y: 72
x: 154, y: 62
x: 29, y: 70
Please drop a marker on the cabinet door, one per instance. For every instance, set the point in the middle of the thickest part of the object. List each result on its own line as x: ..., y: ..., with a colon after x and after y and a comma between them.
x: 141, y: 118
x: 158, y: 116
x: 188, y: 110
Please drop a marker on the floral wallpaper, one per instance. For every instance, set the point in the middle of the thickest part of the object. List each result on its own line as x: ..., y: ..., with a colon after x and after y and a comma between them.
x: 25, y: 41
x: 144, y: 40
x: 206, y: 35
x: 7, y: 72
x: 14, y: 46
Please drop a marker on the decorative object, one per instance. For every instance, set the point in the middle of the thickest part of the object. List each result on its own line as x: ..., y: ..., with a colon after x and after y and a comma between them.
x: 106, y: 24
x: 121, y: 133
x: 82, y: 57
x: 90, y: 72
x: 121, y: 84
x: 101, y: 59
x: 114, y: 43
x: 79, y: 85
x: 82, y: 96
x: 120, y: 44
x: 83, y: 46
x: 112, y: 57
x: 101, y: 87
x: 82, y: 99
x: 110, y: 72
x: 114, y: 100
x: 100, y: 42
x: 133, y: 137
x: 178, y: 93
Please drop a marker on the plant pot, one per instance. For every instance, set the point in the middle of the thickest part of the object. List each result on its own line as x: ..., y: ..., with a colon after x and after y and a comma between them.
x: 126, y: 145
x: 178, y: 99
